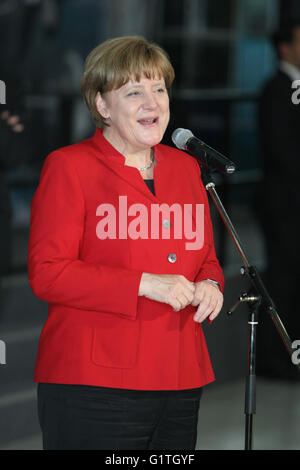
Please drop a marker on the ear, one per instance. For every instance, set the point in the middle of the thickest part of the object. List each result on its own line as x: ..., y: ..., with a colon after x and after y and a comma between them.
x: 102, y: 106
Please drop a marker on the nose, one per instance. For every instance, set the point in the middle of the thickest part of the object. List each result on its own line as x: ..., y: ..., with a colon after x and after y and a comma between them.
x: 150, y: 101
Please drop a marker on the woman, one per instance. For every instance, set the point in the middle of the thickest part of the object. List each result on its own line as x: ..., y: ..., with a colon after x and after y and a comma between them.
x: 122, y: 358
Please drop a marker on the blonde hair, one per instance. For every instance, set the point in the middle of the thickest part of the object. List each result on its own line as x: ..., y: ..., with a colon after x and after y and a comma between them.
x: 114, y: 62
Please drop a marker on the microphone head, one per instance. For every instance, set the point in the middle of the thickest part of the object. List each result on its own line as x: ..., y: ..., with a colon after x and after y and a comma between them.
x: 180, y: 137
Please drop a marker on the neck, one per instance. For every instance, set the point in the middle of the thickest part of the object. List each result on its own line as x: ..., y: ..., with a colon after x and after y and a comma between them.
x: 136, y: 158
x: 288, y: 62
x: 139, y: 160
x: 291, y: 70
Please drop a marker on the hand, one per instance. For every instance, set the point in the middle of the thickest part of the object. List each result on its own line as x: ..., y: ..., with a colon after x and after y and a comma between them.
x: 173, y: 289
x: 209, y: 299
x: 12, y: 121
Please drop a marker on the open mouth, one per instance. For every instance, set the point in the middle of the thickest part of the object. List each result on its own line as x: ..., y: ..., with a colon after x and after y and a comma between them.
x: 148, y: 122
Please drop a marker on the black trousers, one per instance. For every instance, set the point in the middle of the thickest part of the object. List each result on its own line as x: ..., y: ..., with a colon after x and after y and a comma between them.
x: 79, y: 417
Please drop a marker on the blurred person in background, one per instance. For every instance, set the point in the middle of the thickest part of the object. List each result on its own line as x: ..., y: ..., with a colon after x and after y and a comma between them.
x: 122, y: 357
x: 16, y: 23
x: 279, y: 203
x: 9, y: 125
x: 12, y: 154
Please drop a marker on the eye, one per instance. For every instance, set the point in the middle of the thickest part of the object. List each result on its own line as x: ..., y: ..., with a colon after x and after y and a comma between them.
x: 161, y: 90
x: 133, y: 93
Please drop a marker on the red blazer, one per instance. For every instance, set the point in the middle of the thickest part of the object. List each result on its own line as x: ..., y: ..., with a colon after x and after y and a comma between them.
x: 99, y: 331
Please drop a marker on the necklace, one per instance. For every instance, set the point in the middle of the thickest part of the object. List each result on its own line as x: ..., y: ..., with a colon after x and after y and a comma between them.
x: 149, y: 164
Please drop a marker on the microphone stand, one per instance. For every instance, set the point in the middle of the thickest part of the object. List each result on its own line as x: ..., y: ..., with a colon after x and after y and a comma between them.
x: 257, y: 297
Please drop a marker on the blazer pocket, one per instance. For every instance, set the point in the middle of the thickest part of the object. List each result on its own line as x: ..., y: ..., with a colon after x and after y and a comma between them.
x: 115, y: 342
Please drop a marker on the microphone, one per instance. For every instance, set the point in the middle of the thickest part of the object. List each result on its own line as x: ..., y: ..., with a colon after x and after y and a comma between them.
x: 184, y: 139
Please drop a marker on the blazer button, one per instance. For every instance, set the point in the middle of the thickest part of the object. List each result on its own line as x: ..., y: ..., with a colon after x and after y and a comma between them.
x: 166, y: 223
x: 172, y: 258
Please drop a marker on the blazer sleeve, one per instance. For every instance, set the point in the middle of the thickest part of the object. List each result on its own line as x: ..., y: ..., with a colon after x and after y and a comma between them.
x: 210, y: 268
x: 55, y: 271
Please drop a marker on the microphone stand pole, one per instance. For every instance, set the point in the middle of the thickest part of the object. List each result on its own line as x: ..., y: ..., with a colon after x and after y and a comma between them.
x: 257, y: 297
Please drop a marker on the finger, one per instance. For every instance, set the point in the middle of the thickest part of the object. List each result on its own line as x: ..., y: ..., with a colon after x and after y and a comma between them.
x: 198, y: 298
x: 176, y: 305
x: 201, y: 318
x: 217, y: 310
x: 182, y: 300
x: 185, y: 298
x: 173, y: 302
x: 13, y: 120
x: 190, y: 296
x: 18, y: 128
x: 205, y: 309
x: 5, y: 115
x: 185, y: 293
x: 205, y: 304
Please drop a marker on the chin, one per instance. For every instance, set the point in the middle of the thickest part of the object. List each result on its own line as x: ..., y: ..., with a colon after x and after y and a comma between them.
x: 155, y: 139
x: 152, y: 143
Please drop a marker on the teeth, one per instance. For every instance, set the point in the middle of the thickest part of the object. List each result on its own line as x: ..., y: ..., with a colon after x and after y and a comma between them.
x: 147, y: 120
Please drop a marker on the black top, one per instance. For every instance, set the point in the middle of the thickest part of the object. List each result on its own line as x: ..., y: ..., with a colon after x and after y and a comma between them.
x: 150, y: 184
x: 279, y: 124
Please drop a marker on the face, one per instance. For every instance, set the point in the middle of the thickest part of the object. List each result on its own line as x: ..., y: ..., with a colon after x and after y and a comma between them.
x: 291, y: 52
x: 138, y: 114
